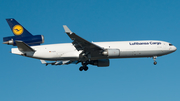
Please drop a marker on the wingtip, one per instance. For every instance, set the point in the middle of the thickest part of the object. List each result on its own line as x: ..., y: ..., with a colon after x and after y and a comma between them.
x: 67, y: 30
x: 43, y: 61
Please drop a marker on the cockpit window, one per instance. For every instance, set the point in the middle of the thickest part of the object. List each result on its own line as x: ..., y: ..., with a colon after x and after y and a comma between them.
x: 170, y: 44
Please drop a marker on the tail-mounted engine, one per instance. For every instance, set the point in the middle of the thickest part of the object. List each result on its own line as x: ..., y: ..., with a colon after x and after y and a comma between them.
x: 30, y: 40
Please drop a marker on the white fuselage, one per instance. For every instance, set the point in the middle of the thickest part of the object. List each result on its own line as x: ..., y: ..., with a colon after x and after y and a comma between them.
x: 128, y: 49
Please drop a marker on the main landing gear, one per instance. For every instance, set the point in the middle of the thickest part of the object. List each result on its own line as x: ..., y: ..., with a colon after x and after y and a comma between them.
x: 84, y: 66
x: 154, y: 58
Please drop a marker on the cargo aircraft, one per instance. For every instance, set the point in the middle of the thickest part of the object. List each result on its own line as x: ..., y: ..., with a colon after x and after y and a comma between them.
x: 81, y: 50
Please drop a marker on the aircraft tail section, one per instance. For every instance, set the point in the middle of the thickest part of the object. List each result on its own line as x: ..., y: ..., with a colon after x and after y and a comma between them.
x: 21, y: 34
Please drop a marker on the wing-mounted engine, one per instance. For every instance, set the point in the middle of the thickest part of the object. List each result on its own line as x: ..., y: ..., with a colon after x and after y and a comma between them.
x: 30, y: 40
x: 111, y: 53
x: 100, y: 63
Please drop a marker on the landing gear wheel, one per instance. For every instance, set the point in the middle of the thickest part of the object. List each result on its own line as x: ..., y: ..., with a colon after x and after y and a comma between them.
x: 81, y: 68
x: 155, y: 62
x: 85, y: 68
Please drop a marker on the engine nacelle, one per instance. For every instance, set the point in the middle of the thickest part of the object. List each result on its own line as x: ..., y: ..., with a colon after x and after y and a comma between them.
x: 30, y: 40
x: 112, y: 52
x: 101, y: 62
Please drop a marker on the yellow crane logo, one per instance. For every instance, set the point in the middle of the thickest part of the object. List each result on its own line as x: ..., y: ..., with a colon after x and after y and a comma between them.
x: 18, y: 30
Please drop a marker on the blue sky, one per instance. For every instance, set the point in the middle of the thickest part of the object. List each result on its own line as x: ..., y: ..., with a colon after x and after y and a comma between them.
x: 137, y: 79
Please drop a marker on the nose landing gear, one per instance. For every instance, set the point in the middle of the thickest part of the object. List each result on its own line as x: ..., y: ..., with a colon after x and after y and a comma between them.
x: 155, y: 62
x: 154, y: 58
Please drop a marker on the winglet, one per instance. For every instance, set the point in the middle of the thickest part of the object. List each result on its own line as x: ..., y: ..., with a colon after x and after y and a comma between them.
x: 24, y: 47
x: 67, y: 30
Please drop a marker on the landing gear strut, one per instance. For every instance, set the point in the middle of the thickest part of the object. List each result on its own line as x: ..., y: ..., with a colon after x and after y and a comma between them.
x: 154, y: 58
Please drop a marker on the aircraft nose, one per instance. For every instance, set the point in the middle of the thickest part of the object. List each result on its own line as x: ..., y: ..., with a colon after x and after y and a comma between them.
x: 174, y: 49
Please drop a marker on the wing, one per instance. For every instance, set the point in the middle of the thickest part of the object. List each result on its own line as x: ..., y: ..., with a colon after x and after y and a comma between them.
x: 65, y: 62
x: 80, y: 43
x: 89, y: 49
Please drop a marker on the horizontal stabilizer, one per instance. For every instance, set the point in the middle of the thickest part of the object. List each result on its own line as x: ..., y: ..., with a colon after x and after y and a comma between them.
x: 24, y: 47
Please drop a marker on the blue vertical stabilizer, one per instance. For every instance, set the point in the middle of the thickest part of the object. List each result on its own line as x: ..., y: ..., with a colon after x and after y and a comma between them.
x: 18, y: 29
